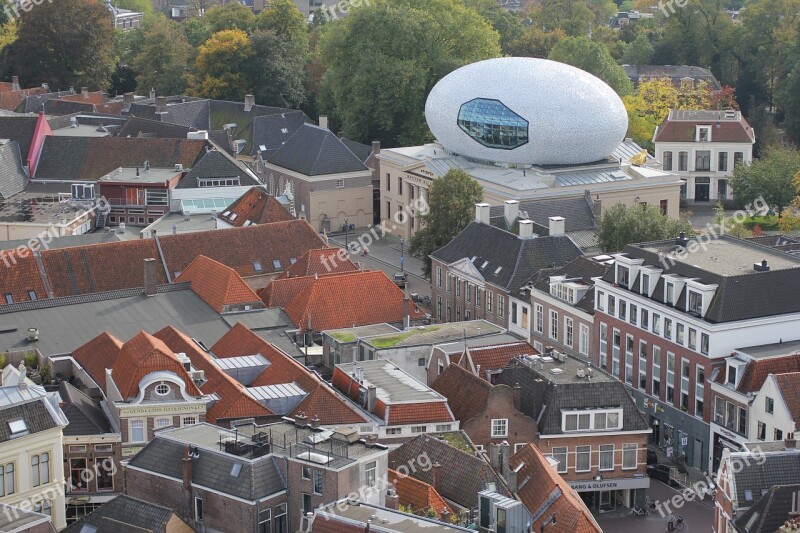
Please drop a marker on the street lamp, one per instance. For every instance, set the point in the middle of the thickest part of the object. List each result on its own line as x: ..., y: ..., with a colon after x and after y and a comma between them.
x: 402, y: 257
x: 346, y: 233
x: 551, y: 520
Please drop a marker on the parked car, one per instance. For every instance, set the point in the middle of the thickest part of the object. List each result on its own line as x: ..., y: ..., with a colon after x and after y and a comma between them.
x: 400, y: 279
x: 652, y: 458
x: 660, y: 472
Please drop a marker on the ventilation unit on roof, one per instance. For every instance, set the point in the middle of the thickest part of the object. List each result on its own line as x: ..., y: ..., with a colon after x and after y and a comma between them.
x: 178, y: 167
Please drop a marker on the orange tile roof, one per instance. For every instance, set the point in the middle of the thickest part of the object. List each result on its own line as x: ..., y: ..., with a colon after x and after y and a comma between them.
x: 347, y: 300
x: 326, y: 405
x: 417, y: 494
x: 142, y: 355
x: 466, y: 393
x: 217, y: 284
x: 418, y: 413
x: 234, y: 400
x: 94, y: 97
x: 281, y: 291
x: 256, y: 206
x: 494, y: 357
x: 18, y: 275
x: 757, y: 371
x: 11, y: 100
x: 789, y: 385
x: 97, y: 355
x: 319, y: 262
x: 6, y: 86
x: 536, y: 480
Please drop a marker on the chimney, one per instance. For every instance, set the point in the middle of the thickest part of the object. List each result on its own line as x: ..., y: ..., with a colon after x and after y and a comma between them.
x: 372, y: 394
x: 201, y: 135
x: 517, y: 396
x: 150, y: 284
x: 300, y: 419
x: 790, y: 443
x: 763, y: 266
x: 494, y: 455
x: 127, y: 98
x: 315, y: 421
x: 505, y: 452
x: 187, y: 469
x: 511, y: 211
x: 482, y: 213
x: 406, y: 313
x: 152, y: 94
x: 161, y: 104
x: 249, y: 102
x: 376, y: 147
x: 323, y: 121
x: 682, y: 240
x: 556, y: 226
x: 445, y: 515
x: 15, y: 83
x: 437, y: 475
x: 85, y: 92
x: 526, y: 229
x: 392, y: 499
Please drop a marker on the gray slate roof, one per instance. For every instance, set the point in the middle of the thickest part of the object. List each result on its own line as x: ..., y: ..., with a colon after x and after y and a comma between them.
x: 778, y: 468
x: 13, y: 179
x: 577, y: 213
x: 34, y: 102
x: 84, y: 414
x: 271, y: 131
x: 126, y: 510
x: 315, y: 151
x: 543, y: 401
x: 510, y: 261
x: 143, y: 127
x: 216, y: 164
x: 362, y: 151
x: 770, y: 512
x: 258, y: 478
x: 674, y: 72
x: 36, y: 416
x: 20, y: 129
x: 581, y: 267
x: 462, y: 475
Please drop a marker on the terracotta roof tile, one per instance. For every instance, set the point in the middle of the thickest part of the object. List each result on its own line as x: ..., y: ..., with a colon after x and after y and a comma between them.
x: 11, y: 100
x: 97, y: 355
x: 418, y: 413
x: 257, y: 206
x: 142, y: 355
x: 94, y: 97
x: 320, y: 262
x: 418, y: 495
x: 234, y: 400
x: 350, y: 299
x: 684, y: 131
x: 281, y: 291
x: 757, y: 370
x: 466, y: 393
x: 494, y: 357
x: 326, y: 405
x: 536, y: 481
x: 789, y: 385
x: 218, y: 285
x: 18, y: 275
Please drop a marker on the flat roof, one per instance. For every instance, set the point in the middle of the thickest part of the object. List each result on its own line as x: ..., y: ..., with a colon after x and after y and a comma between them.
x: 771, y: 350
x: 567, y: 371
x: 82, y: 130
x: 393, y: 384
x: 180, y: 223
x: 41, y: 209
x: 140, y: 175
x: 344, y: 335
x: 383, y: 518
x: 434, y: 334
x: 724, y: 256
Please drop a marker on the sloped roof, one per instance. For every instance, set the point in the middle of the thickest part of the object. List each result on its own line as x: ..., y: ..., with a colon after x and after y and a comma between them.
x: 416, y: 494
x: 316, y: 151
x: 789, y: 385
x: 319, y: 262
x: 129, y: 511
x: 582, y: 268
x: 84, y: 414
x: 35, y: 414
x: 674, y: 72
x: 18, y: 128
x: 17, y: 278
x: 362, y: 151
x: 757, y: 370
x: 13, y: 100
x: 217, y: 284
x: 577, y: 213
x: 97, y: 355
x: 349, y: 299
x: 724, y: 131
x: 217, y: 164
x: 545, y: 493
x: 324, y: 404
x: 466, y: 393
x: 256, y: 206
x: 770, y: 512
x: 777, y: 468
x: 502, y: 258
x: 281, y: 291
x: 270, y: 132
x: 462, y: 475
x: 494, y: 357
x: 143, y: 127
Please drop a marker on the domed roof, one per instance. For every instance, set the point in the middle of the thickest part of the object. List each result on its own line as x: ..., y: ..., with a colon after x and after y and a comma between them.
x: 523, y: 110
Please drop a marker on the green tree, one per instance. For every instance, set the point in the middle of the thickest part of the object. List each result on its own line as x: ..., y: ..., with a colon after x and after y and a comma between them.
x: 231, y: 16
x: 277, y: 70
x: 507, y: 24
x: 123, y: 80
x: 66, y: 45
x: 574, y: 17
x: 595, y: 59
x: 769, y: 177
x: 283, y: 17
x: 140, y: 6
x: 383, y: 59
x: 222, y: 66
x: 789, y: 94
x: 535, y: 42
x: 451, y: 207
x: 196, y: 30
x: 159, y: 67
x: 628, y: 224
x: 639, y: 52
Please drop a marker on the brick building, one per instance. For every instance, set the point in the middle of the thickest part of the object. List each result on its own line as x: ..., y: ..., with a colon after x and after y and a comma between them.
x: 485, y: 362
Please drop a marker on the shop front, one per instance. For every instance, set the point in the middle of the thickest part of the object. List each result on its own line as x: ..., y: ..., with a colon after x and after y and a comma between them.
x: 605, y: 495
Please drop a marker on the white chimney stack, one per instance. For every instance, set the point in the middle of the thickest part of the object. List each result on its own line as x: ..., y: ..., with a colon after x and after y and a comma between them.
x: 323, y: 121
x: 482, y: 213
x: 526, y: 229
x: 556, y: 226
x: 511, y: 211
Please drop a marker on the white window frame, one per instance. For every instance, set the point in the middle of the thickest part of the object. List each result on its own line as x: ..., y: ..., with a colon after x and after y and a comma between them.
x: 579, y: 451
x: 538, y: 318
x: 499, y: 427
x: 553, y: 329
x: 131, y: 429
x: 626, y: 450
x: 583, y: 342
x: 562, y: 466
x: 606, y: 451
x: 569, y: 331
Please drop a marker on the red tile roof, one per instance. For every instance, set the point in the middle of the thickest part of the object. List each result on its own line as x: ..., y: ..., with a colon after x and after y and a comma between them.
x: 417, y: 495
x: 256, y: 206
x: 320, y: 262
x: 466, y: 393
x: 18, y: 275
x: 218, y: 285
x: 789, y: 385
x: 94, y: 97
x: 234, y: 400
x: 142, y: 355
x: 281, y: 291
x: 728, y: 131
x: 537, y: 480
x: 11, y: 100
x: 757, y: 370
x: 328, y: 407
x: 347, y: 300
x: 494, y: 357
x: 418, y: 413
x: 97, y: 355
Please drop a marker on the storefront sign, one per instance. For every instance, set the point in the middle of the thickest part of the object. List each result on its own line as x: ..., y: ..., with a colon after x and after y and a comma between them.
x: 161, y: 410
x: 127, y: 452
x: 610, y: 484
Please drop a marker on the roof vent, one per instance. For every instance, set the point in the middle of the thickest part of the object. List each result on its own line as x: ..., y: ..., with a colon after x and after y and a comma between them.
x: 763, y: 266
x: 681, y: 240
x: 33, y: 334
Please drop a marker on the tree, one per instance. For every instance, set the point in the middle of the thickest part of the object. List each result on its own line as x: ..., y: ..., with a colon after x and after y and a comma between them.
x: 277, y: 70
x: 222, y: 66
x: 575, y: 17
x: 123, y: 80
x: 66, y: 45
x: 451, y: 207
x: 770, y: 177
x: 507, y: 24
x: 159, y: 67
x: 140, y: 6
x: 231, y: 16
x: 639, y: 52
x: 196, y: 31
x: 535, y: 42
x: 283, y: 17
x: 384, y: 58
x: 628, y: 224
x: 595, y: 59
x: 788, y: 221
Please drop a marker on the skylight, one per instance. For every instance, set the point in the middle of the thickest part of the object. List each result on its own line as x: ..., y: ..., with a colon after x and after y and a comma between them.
x: 484, y: 264
x: 276, y: 263
x: 17, y: 426
x: 257, y: 266
x: 233, y: 216
x: 498, y: 270
x: 236, y: 469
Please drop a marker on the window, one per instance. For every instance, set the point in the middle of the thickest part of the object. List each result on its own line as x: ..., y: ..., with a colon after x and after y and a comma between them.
x: 137, y: 431
x: 40, y: 469
x: 778, y: 435
x: 500, y: 305
x: 305, y: 472
x: 280, y: 519
x: 189, y: 420
x: 702, y: 160
x: 583, y: 458
x: 629, y: 452
x: 770, y: 405
x: 583, y: 346
x: 370, y: 474
x: 105, y: 468
x: 603, y: 345
x: 442, y: 428
x: 103, y: 447
x: 400, y: 185
x: 656, y: 324
x: 458, y: 287
x: 612, y: 307
x: 418, y: 429
x: 667, y: 164
x: 447, y: 283
x: 703, y: 134
x: 623, y: 310
x: 683, y: 161
x: 388, y: 209
x: 669, y: 293
x: 634, y: 314
x: 762, y: 431
x: 203, y: 182
x: 162, y: 389
x: 667, y: 328
x: 9, y: 298
x: 738, y: 157
x: 439, y: 277
x: 389, y: 183
x: 692, y: 339
x: 704, y: 343
x: 623, y: 275
x: 7, y: 486
x: 560, y: 455
x: 723, y: 161
x: 606, y: 457
x: 679, y: 333
x: 742, y: 421
x: 646, y: 284
x: 539, y: 318
x: 340, y: 184
x: 601, y: 298
x: 568, y: 332
x: 645, y: 322
x: 32, y: 295
x: 553, y: 325
x: 264, y: 521
x: 163, y: 422
x: 656, y: 371
x: 394, y: 431
x: 499, y: 427
x: 318, y: 481
x: 198, y: 509
x: 276, y: 264
x: 695, y: 302
x: 492, y: 124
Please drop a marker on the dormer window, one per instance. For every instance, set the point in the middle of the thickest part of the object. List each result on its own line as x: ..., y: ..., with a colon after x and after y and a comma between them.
x: 703, y: 134
x: 669, y: 293
x: 623, y: 275
x: 646, y: 284
x: 695, y: 303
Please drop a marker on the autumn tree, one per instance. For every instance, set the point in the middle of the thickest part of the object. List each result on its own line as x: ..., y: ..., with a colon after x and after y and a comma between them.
x: 231, y: 16
x: 222, y: 65
x: 159, y: 67
x: 68, y: 44
x: 535, y: 42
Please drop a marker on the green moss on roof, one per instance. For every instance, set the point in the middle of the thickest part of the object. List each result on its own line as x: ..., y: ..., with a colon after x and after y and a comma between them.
x: 392, y: 340
x: 343, y: 337
x: 456, y: 440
